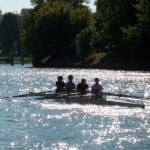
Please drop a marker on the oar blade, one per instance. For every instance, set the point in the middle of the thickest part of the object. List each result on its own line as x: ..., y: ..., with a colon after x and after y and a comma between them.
x: 122, y: 95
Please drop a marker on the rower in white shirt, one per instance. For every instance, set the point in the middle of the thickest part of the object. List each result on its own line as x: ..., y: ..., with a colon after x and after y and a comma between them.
x: 97, y: 89
x: 70, y: 86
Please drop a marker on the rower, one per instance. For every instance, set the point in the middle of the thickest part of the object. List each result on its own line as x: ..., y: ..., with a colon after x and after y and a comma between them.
x: 70, y: 86
x: 82, y: 87
x: 97, y: 89
x: 60, y: 84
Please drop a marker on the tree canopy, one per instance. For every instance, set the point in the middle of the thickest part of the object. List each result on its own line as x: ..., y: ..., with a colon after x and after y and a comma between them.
x: 61, y: 29
x: 53, y: 30
x: 10, y: 32
x: 74, y: 3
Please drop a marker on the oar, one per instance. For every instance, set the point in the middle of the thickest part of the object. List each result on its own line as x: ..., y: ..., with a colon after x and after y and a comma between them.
x: 122, y: 95
x: 63, y: 95
x: 42, y: 92
x: 37, y: 94
x: 22, y: 95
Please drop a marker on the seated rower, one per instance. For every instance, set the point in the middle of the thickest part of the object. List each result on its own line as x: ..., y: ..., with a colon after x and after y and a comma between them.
x: 60, y: 84
x: 97, y: 89
x: 82, y: 87
x: 70, y: 86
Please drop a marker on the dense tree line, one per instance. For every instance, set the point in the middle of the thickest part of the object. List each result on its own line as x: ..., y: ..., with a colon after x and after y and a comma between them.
x: 51, y: 28
x: 123, y: 27
x: 9, y: 33
x: 67, y: 30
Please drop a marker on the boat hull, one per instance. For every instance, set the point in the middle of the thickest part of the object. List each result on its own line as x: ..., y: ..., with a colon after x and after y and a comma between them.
x: 85, y: 99
x: 92, y: 100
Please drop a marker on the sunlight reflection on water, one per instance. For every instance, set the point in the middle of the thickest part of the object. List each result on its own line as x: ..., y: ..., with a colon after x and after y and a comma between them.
x: 27, y: 123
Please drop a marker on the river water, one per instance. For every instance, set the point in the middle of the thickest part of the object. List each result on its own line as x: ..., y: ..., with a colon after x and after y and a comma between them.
x: 27, y: 123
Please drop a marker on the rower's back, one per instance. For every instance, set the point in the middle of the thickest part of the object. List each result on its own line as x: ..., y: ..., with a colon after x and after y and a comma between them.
x: 60, y: 85
x: 97, y: 89
x: 70, y: 85
x: 82, y: 87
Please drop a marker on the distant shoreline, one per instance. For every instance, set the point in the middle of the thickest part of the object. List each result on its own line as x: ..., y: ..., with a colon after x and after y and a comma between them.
x: 123, y: 67
x: 100, y: 61
x: 99, y: 66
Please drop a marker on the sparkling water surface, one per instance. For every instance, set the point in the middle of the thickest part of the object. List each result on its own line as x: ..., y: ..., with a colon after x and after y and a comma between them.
x: 27, y: 123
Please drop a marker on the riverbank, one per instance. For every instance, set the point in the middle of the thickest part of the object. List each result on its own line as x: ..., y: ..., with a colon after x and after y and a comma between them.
x: 132, y: 67
x: 102, y: 61
x: 94, y: 61
x: 15, y: 60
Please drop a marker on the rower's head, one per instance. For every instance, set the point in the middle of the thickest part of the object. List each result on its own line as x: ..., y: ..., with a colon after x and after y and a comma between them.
x: 60, y: 78
x: 96, y: 80
x: 70, y: 77
x: 83, y: 81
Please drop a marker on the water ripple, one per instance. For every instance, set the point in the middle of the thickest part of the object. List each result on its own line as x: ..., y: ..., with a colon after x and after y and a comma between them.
x: 26, y: 123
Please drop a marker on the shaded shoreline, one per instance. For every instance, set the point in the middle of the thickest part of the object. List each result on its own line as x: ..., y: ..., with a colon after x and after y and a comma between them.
x: 145, y: 68
x: 109, y: 62
x: 103, y: 65
x: 100, y: 66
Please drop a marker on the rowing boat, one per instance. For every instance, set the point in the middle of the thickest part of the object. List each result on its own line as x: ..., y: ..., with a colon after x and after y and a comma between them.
x: 102, y: 102
x: 85, y: 99
x: 96, y: 101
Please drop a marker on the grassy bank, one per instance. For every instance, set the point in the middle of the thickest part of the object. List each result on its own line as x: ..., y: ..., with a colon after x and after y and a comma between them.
x: 17, y: 59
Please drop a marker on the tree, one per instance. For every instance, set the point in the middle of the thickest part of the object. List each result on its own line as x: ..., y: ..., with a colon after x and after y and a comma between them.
x: 136, y: 36
x: 112, y: 16
x: 10, y: 32
x: 143, y: 15
x: 74, y: 3
x: 83, y: 43
x: 51, y: 30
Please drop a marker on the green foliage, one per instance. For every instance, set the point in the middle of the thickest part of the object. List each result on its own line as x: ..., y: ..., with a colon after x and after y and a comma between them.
x: 143, y: 15
x: 51, y: 29
x: 57, y: 27
x: 124, y: 27
x: 143, y: 12
x: 10, y: 32
x: 111, y: 17
x: 131, y: 41
x: 74, y: 3
x: 137, y: 36
x: 83, y: 43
